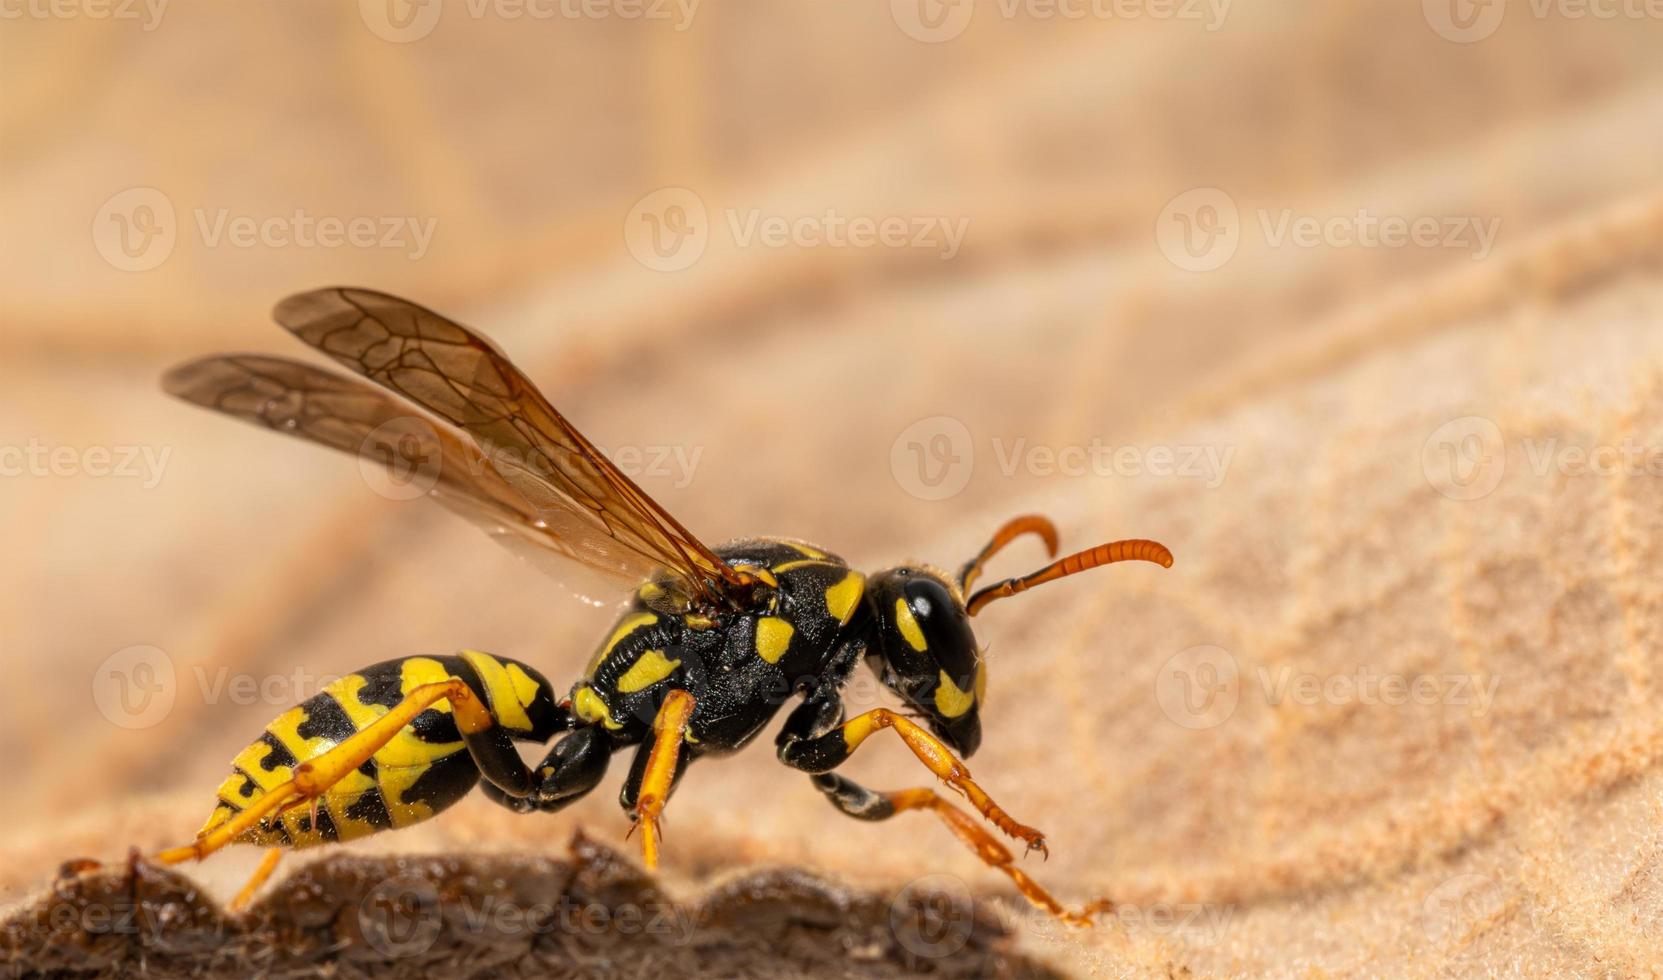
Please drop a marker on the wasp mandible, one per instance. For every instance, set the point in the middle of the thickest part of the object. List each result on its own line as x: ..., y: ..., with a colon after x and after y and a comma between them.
x: 710, y: 646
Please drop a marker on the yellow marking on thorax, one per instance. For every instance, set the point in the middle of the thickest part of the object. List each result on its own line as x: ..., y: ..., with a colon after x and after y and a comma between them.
x: 842, y: 597
x: 908, y: 626
x: 981, y: 682
x: 698, y: 622
x: 647, y: 671
x: 797, y: 563
x: 950, y: 699
x: 628, y: 625
x: 501, y: 690
x: 773, y: 635
x: 592, y: 709
x: 761, y: 573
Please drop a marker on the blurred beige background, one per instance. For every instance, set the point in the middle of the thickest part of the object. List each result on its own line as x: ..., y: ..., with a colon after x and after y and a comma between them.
x: 1172, y: 220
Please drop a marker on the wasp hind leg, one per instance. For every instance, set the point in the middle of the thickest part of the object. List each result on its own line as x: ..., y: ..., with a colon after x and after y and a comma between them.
x: 864, y: 804
x: 656, y: 770
x: 261, y: 875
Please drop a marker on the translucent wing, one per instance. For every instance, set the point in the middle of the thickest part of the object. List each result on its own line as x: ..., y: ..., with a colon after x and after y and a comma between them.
x: 461, y: 377
x: 421, y: 455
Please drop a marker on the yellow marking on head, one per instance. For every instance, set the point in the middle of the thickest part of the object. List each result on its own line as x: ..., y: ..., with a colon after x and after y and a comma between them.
x: 950, y: 699
x: 981, y: 682
x: 908, y: 626
x: 626, y: 626
x: 773, y: 635
x: 592, y: 709
x: 842, y: 597
x: 651, y: 668
x: 501, y: 691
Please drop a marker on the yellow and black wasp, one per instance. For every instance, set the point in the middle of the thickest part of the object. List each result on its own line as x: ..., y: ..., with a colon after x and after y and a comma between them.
x: 711, y: 645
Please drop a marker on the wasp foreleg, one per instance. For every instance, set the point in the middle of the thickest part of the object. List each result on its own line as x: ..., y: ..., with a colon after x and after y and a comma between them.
x: 823, y: 753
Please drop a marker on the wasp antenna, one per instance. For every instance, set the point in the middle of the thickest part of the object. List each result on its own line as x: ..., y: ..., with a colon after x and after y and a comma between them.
x: 1012, y: 529
x: 1136, y: 549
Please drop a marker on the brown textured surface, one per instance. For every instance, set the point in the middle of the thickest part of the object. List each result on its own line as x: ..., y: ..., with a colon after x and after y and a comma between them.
x: 590, y: 914
x: 1296, y: 840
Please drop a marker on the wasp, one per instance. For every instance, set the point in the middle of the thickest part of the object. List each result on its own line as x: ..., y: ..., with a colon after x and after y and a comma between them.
x: 709, y: 647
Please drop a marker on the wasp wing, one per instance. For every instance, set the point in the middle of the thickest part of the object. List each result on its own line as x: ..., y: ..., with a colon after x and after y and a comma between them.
x: 423, y: 455
x: 464, y: 379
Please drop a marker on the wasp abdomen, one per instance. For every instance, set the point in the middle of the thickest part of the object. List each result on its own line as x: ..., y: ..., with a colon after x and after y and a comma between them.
x: 423, y: 770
